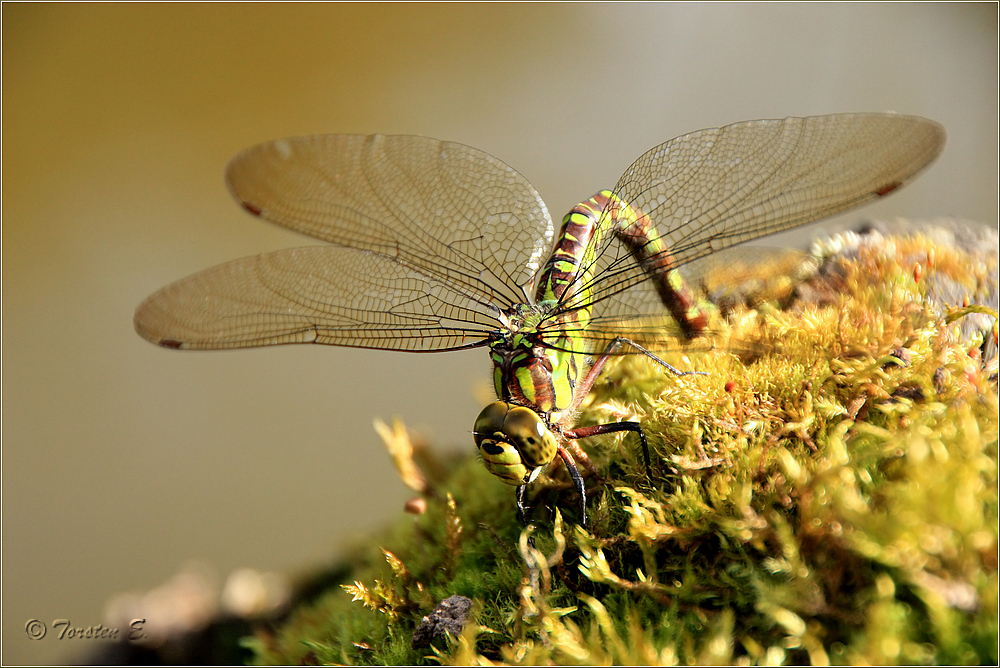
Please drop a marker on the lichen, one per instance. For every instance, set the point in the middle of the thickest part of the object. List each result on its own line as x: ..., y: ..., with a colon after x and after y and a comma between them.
x: 827, y: 493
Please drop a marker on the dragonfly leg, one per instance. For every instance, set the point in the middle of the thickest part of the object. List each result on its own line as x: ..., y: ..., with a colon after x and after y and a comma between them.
x: 574, y: 473
x: 583, y: 387
x: 584, y: 432
x: 519, y: 496
x: 669, y: 367
x: 581, y: 457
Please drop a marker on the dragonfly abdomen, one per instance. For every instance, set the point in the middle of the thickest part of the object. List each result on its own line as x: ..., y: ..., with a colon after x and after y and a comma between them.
x: 563, y: 267
x: 603, y: 213
x: 636, y: 232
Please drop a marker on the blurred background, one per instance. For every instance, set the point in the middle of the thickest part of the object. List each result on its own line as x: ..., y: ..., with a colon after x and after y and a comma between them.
x: 123, y: 461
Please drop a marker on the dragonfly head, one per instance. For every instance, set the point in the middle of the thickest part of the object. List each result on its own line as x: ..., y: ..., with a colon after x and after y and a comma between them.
x: 514, y: 441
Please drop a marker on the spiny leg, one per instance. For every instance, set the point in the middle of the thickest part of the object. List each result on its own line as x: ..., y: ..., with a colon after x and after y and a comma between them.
x: 677, y: 372
x: 581, y: 391
x: 585, y: 432
x: 583, y: 387
x: 519, y: 496
x: 574, y: 473
x: 581, y: 457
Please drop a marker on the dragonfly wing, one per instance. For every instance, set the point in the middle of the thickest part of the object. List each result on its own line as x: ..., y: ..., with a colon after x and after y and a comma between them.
x: 713, y: 189
x: 446, y: 210
x: 317, y: 294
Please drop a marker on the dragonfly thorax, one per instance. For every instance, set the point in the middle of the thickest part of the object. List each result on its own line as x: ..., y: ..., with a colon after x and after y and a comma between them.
x: 530, y: 373
x: 524, y: 317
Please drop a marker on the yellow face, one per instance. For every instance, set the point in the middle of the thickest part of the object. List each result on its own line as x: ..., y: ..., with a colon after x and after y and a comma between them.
x: 514, y: 442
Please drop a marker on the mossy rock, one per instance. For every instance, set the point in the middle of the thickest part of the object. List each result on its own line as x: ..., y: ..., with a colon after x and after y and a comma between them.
x: 827, y: 493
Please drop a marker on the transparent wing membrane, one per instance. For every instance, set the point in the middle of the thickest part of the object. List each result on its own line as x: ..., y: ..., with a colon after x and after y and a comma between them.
x: 435, y: 237
x: 445, y: 209
x: 317, y: 294
x: 713, y: 189
x: 432, y: 240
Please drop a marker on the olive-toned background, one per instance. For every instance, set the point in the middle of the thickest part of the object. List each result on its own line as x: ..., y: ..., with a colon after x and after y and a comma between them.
x: 122, y: 461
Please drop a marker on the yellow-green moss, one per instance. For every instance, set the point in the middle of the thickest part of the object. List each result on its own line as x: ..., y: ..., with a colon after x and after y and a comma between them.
x: 826, y: 494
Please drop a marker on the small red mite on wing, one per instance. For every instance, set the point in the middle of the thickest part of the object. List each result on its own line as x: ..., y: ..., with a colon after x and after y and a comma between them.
x: 251, y: 208
x: 171, y: 343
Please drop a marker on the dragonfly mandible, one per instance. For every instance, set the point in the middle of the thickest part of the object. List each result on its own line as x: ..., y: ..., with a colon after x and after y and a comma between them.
x: 437, y: 246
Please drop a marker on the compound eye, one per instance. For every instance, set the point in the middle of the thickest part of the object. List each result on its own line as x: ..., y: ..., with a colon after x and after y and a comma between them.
x: 500, y: 456
x: 525, y: 429
x: 523, y: 422
x: 490, y: 422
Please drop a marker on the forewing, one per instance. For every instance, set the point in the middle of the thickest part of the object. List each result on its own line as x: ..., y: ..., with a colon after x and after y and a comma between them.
x: 713, y: 189
x: 448, y: 211
x: 317, y: 294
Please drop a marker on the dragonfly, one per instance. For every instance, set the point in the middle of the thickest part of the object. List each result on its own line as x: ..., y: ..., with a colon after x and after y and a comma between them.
x: 437, y: 246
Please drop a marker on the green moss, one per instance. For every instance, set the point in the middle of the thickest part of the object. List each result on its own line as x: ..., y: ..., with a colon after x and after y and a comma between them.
x: 826, y: 494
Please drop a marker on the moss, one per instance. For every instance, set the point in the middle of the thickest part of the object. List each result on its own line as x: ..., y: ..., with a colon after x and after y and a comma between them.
x: 827, y: 493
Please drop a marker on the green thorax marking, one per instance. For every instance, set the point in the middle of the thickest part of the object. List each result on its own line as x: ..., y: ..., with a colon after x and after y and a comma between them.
x: 530, y: 374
